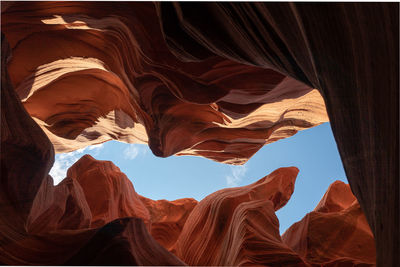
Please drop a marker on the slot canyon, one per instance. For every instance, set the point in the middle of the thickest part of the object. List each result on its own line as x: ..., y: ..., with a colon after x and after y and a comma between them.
x: 217, y: 80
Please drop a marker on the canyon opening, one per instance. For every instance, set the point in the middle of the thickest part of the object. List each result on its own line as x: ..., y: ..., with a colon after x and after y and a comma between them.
x: 257, y: 106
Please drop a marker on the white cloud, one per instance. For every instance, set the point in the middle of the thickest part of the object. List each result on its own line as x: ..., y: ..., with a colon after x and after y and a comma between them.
x: 95, y: 147
x: 62, y: 163
x: 65, y: 160
x: 236, y: 176
x: 131, y: 151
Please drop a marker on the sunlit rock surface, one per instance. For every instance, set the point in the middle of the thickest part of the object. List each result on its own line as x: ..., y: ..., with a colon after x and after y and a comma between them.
x: 338, y: 197
x: 168, y: 218
x: 238, y: 226
x: 43, y: 224
x: 113, y: 77
x: 109, y: 193
x: 348, y: 51
x: 336, y: 232
x: 218, y: 80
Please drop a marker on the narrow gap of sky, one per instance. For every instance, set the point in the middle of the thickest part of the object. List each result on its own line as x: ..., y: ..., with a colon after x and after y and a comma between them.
x: 313, y: 151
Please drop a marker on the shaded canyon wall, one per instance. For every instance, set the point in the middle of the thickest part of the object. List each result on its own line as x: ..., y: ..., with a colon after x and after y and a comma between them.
x: 83, y: 73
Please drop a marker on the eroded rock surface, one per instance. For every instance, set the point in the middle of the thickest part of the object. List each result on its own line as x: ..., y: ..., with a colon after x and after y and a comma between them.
x: 349, y: 51
x: 336, y: 233
x: 109, y: 193
x: 113, y: 77
x: 123, y: 242
x: 238, y: 226
x: 168, y: 218
x: 43, y: 224
x: 219, y: 80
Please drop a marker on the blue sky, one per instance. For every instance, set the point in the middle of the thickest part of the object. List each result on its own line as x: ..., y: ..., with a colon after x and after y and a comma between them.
x: 313, y: 151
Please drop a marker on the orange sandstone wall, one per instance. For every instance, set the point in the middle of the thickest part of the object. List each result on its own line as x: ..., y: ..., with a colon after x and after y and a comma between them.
x: 91, y: 72
x: 81, y: 73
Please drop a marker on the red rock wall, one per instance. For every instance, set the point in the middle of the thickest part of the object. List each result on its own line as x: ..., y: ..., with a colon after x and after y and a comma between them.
x: 349, y: 51
x: 235, y: 226
x: 220, y: 87
x: 336, y: 232
x: 113, y: 77
x: 108, y: 192
x: 238, y: 226
x: 43, y: 224
x: 168, y: 218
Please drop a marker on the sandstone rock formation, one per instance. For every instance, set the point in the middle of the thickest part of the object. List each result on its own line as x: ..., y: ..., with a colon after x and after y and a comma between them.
x: 336, y: 233
x: 218, y: 80
x: 114, y: 78
x: 168, y: 218
x: 349, y: 51
x: 46, y: 225
x: 123, y: 242
x: 63, y: 224
x: 238, y: 226
x: 61, y: 207
x: 338, y: 197
x: 108, y: 192
x: 93, y: 194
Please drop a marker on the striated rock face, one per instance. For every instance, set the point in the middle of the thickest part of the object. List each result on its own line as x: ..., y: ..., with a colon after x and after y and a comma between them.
x: 349, y: 51
x: 168, y: 218
x: 60, y: 207
x: 109, y: 193
x: 336, y: 233
x: 217, y: 80
x: 113, y: 77
x: 64, y: 224
x: 338, y: 197
x: 93, y: 194
x: 43, y: 224
x: 238, y: 226
x: 123, y: 242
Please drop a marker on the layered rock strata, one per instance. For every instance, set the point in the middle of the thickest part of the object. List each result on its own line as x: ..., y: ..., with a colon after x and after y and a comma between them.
x: 238, y: 226
x: 108, y: 192
x: 349, y: 51
x: 218, y: 80
x: 168, y: 218
x: 113, y: 77
x: 43, y: 224
x: 336, y: 233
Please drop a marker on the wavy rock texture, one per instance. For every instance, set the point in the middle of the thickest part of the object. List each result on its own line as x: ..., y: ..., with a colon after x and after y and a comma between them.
x: 123, y: 242
x: 93, y: 194
x: 338, y: 197
x: 349, y: 51
x: 168, y: 218
x: 113, y: 77
x: 336, y: 233
x: 60, y: 207
x: 217, y: 80
x: 64, y: 224
x: 108, y: 192
x: 238, y: 226
x: 44, y: 224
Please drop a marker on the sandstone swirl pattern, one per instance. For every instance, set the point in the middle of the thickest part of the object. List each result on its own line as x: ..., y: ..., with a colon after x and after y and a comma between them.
x: 336, y: 233
x: 43, y: 224
x: 113, y: 77
x: 168, y: 218
x: 218, y: 80
x: 64, y: 224
x: 349, y: 51
x: 238, y: 226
